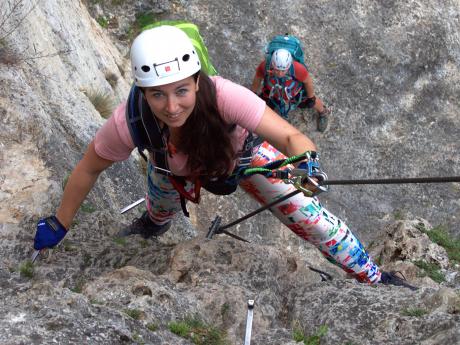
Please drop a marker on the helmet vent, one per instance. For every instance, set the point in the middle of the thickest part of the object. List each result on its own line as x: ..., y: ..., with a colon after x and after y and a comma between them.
x: 186, y: 57
x: 145, y: 68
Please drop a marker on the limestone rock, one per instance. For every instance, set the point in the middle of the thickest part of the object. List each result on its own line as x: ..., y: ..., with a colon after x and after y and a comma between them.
x: 390, y: 72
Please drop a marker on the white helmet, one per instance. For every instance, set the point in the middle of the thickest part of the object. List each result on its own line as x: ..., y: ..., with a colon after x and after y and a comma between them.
x: 281, y: 59
x: 163, y: 55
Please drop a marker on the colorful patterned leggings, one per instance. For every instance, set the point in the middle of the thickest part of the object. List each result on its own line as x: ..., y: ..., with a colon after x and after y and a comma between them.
x: 303, y: 215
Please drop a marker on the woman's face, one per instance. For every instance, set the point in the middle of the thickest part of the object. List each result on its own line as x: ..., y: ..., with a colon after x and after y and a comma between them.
x: 280, y: 73
x: 173, y: 103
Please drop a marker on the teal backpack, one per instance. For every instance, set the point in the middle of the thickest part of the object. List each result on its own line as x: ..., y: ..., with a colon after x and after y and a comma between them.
x: 288, y: 42
x: 277, y: 85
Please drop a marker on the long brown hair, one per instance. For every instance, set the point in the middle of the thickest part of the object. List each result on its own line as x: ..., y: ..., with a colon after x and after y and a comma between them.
x: 205, y: 136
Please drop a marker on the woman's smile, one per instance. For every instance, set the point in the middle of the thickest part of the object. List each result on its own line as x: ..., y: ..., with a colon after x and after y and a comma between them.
x: 173, y: 103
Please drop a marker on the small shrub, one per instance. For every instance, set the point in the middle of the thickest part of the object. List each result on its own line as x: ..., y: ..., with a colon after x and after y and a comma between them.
x: 8, y: 56
x: 68, y: 246
x: 415, y: 312
x: 298, y: 334
x: 78, y: 288
x: 86, y: 260
x: 398, y: 214
x: 103, y: 21
x: 316, y: 338
x: 430, y: 270
x: 152, y: 327
x: 440, y: 236
x: 142, y: 20
x: 138, y: 339
x: 224, y: 310
x: 95, y: 301
x: 121, y: 241
x: 112, y: 79
x: 134, y: 313
x: 145, y: 19
x: 194, y: 329
x: 101, y: 101
x: 27, y: 269
x: 87, y: 207
x: 179, y: 328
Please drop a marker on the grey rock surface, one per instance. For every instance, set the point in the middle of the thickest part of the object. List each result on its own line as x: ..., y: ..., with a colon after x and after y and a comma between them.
x: 390, y: 72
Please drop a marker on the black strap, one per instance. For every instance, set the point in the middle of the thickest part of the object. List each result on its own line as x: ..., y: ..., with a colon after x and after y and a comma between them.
x: 145, y: 130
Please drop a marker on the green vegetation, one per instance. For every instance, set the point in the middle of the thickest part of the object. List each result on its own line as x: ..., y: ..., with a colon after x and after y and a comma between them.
x: 87, y: 207
x: 86, y: 259
x: 142, y: 20
x: 431, y: 270
x: 415, y: 312
x: 440, y: 236
x: 103, y: 21
x: 78, y: 288
x: 27, y: 269
x: 101, y: 101
x: 134, y: 313
x: 95, y: 301
x: 198, y: 332
x: 121, y: 241
x: 152, y: 327
x: 181, y: 328
x: 68, y: 246
x: 138, y: 339
x: 224, y: 310
x: 398, y: 214
x: 298, y: 334
x: 64, y: 181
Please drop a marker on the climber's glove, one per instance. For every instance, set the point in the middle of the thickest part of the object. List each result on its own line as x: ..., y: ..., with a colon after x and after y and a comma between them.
x: 310, y: 102
x: 49, y: 233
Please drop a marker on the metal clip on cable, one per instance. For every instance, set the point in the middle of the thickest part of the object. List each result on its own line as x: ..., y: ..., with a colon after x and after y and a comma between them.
x: 307, y: 173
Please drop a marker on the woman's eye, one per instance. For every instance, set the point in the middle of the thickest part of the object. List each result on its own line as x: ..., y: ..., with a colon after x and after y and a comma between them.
x: 156, y: 94
x: 182, y: 92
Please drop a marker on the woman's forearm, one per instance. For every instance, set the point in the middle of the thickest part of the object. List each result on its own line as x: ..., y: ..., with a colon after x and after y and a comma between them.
x: 80, y: 182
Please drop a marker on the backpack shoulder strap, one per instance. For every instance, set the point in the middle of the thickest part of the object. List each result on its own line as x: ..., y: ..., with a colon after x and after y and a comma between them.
x: 145, y: 129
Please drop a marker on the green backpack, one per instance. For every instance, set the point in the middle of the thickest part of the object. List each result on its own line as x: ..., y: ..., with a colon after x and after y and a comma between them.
x: 193, y: 33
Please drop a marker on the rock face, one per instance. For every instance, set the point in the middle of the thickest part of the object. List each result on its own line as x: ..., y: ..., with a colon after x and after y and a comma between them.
x: 389, y: 70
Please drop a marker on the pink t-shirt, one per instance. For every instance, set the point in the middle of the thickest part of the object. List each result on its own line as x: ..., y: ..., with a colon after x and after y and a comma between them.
x: 237, y: 105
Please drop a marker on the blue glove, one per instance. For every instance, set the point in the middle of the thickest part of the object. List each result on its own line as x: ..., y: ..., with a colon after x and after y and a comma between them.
x: 49, y: 233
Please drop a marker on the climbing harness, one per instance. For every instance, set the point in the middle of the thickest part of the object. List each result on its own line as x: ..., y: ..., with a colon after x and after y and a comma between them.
x: 307, y: 173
